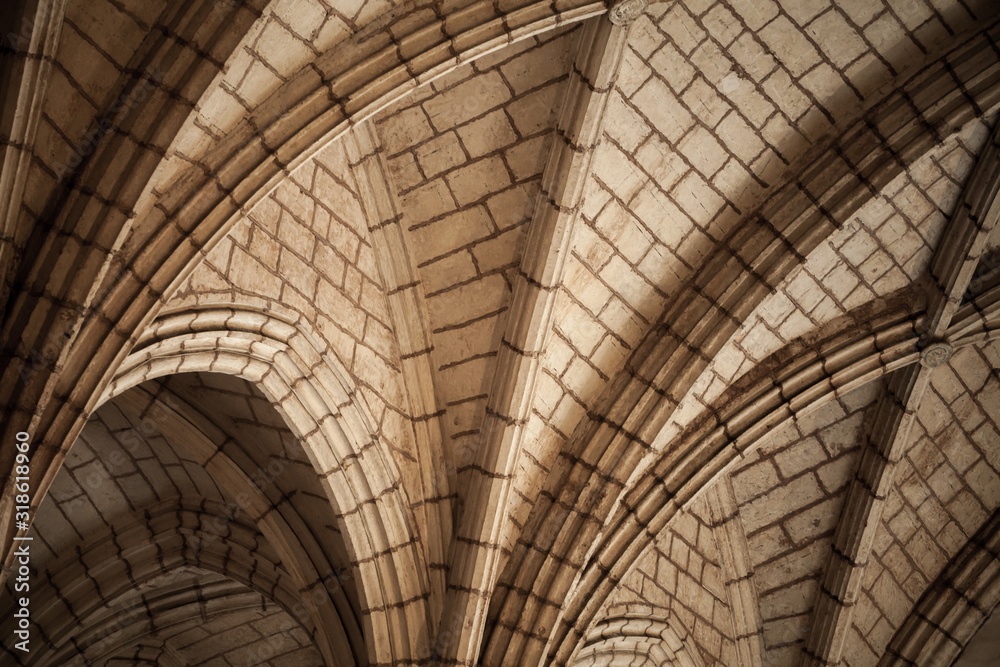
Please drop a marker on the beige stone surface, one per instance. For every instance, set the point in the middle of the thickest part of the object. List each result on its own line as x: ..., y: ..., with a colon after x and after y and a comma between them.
x: 463, y: 333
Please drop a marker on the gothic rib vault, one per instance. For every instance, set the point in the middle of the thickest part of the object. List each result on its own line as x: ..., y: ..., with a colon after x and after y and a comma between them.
x: 502, y: 332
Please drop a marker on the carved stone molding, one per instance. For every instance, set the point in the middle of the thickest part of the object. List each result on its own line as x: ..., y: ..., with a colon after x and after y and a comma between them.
x: 622, y: 13
x: 936, y: 355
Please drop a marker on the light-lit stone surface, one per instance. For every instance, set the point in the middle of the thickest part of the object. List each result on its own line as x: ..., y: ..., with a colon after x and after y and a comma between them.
x: 502, y: 333
x: 791, y: 493
x: 948, y: 484
x: 466, y: 157
x: 681, y: 579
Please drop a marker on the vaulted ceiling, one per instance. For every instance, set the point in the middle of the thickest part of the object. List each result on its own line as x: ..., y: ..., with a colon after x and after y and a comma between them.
x: 527, y: 333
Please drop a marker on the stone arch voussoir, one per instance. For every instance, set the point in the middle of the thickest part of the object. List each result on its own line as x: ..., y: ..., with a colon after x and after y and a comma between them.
x: 313, y: 393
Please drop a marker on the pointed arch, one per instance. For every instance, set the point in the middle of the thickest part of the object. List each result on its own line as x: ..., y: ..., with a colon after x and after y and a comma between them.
x: 314, y: 394
x: 635, y: 640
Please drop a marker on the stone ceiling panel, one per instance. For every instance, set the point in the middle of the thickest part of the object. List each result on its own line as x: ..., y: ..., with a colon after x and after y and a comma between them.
x: 287, y: 37
x: 790, y: 492
x: 681, y: 579
x: 247, y: 631
x: 97, y: 43
x: 261, y: 635
x: 946, y: 486
x: 466, y: 156
x: 714, y: 101
x: 265, y: 448
x: 127, y: 466
x: 121, y: 465
x: 886, y: 247
x: 305, y: 254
